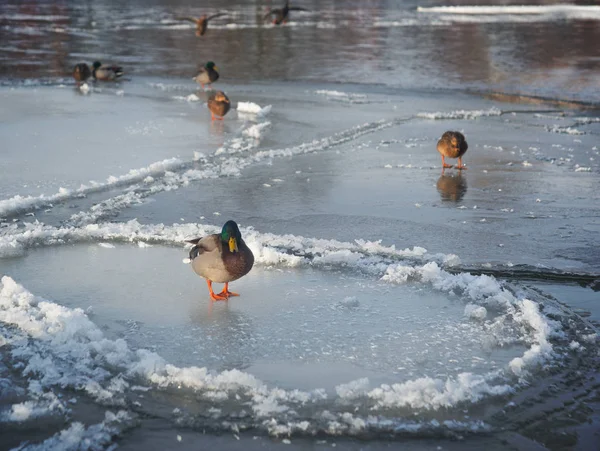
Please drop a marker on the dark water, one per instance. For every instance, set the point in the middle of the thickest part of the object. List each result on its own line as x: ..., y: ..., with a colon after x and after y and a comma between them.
x: 550, y: 53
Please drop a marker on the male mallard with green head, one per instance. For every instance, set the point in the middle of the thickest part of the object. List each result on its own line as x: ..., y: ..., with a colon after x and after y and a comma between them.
x: 106, y: 73
x: 81, y: 72
x: 282, y: 14
x: 452, y: 145
x: 208, y: 74
x: 222, y: 258
x: 219, y: 105
x: 201, y: 22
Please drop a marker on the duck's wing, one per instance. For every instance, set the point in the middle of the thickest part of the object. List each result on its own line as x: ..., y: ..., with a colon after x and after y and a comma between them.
x: 117, y: 70
x: 189, y: 19
x: 204, y: 245
x: 215, y: 15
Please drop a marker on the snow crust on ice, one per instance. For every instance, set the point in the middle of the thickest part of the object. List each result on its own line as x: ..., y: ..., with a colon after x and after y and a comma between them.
x: 71, y: 337
x: 77, y: 437
x: 487, y: 292
x: 251, y: 108
x: 269, y: 249
x: 477, y: 312
x: 189, y: 98
x: 426, y: 392
x: 22, y: 203
x: 342, y: 96
x: 71, y: 352
x: 461, y: 114
x: 172, y: 174
x: 45, y: 404
x: 565, y: 130
x: 256, y: 131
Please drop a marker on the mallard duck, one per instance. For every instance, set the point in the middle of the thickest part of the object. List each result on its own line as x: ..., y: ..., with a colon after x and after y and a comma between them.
x: 282, y: 14
x: 106, y: 73
x: 452, y: 145
x: 208, y: 74
x: 201, y: 22
x: 222, y: 258
x: 81, y: 72
x: 219, y: 105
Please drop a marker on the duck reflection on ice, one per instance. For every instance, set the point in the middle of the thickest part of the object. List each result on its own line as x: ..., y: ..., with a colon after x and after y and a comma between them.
x: 452, y: 187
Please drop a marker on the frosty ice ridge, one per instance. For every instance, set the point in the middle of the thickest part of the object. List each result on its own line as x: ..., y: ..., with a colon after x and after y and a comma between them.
x: 68, y: 350
x: 70, y: 332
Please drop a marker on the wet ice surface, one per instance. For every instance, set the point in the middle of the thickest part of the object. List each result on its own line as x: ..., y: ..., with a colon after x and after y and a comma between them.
x: 294, y: 328
x: 359, y: 309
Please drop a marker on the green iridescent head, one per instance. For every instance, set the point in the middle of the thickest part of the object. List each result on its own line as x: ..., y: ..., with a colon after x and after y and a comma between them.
x: 231, y: 235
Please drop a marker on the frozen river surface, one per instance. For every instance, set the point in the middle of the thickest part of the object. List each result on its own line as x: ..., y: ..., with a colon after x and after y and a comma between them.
x: 390, y: 301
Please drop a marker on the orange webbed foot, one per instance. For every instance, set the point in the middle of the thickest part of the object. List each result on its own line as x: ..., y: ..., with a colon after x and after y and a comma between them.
x: 226, y: 292
x: 218, y: 297
x: 213, y: 295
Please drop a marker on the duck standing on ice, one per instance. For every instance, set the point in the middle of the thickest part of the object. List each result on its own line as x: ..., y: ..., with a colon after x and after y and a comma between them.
x: 452, y: 145
x: 223, y: 258
x: 81, y: 72
x: 207, y: 75
x: 218, y: 104
x: 106, y: 73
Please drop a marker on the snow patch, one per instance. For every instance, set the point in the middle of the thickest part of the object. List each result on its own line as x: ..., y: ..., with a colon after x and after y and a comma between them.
x: 461, y: 114
x: 251, y: 108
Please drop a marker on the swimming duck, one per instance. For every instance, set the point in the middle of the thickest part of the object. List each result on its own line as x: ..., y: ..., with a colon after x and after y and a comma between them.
x: 201, y: 22
x: 222, y: 258
x: 219, y: 105
x: 106, y: 73
x: 452, y: 145
x: 208, y: 74
x: 282, y: 14
x: 81, y: 72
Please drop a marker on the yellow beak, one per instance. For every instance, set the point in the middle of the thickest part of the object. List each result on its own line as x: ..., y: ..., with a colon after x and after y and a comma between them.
x: 216, y: 68
x: 233, y: 245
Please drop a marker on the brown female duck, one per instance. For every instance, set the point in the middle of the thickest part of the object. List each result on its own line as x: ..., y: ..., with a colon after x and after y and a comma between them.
x: 201, y: 22
x: 81, y: 72
x: 223, y: 258
x: 452, y: 145
x: 219, y: 105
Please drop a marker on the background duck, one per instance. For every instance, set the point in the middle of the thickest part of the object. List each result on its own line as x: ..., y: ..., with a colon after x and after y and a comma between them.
x: 208, y: 74
x: 218, y: 104
x: 106, y: 73
x: 222, y: 257
x: 452, y: 145
x: 282, y: 14
x: 81, y: 72
x: 201, y: 22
